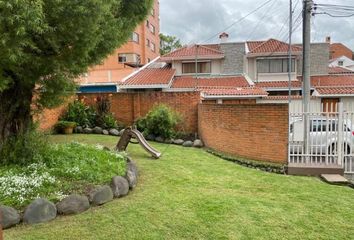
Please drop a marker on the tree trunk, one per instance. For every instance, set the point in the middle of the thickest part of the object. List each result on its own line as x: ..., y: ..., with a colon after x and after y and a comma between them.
x: 15, y: 110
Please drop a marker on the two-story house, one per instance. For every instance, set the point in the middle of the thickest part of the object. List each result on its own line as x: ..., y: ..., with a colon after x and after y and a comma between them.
x: 256, y: 70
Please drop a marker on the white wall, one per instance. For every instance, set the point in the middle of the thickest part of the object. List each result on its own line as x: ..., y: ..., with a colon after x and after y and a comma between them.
x: 346, y: 62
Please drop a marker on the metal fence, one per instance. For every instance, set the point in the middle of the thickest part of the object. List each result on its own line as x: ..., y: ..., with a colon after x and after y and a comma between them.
x: 322, y: 138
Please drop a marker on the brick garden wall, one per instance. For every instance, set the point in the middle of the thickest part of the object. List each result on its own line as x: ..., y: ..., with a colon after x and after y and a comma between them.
x: 128, y: 107
x: 254, y: 131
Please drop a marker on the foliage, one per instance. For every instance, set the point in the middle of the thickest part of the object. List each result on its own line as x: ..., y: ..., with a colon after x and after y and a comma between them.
x: 168, y: 44
x: 161, y: 120
x: 80, y: 113
x: 23, y: 149
x: 191, y: 194
x: 104, y: 118
x: 61, y: 170
x: 62, y: 125
x: 46, y: 44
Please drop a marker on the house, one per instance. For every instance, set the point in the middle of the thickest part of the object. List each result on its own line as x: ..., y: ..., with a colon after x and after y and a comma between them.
x: 343, y: 62
x: 338, y: 49
x: 142, y: 47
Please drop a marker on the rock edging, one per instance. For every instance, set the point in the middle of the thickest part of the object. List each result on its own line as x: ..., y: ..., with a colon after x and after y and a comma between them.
x: 42, y: 210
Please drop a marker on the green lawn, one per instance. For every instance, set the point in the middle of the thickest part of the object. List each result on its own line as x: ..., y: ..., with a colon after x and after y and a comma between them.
x: 190, y: 194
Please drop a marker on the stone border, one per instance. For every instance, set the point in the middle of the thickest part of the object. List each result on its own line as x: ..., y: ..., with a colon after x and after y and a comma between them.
x: 115, y: 132
x: 41, y: 210
x: 266, y: 167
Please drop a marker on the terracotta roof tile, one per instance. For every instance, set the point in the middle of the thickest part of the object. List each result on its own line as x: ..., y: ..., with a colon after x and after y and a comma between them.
x: 335, y: 90
x: 279, y: 84
x: 217, y: 82
x: 271, y: 46
x: 151, y: 76
x: 190, y: 52
x: 332, y: 80
x: 339, y: 70
x: 245, y: 91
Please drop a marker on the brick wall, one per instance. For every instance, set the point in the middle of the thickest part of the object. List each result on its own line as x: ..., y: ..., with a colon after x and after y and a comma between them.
x: 254, y: 131
x: 49, y: 117
x: 128, y: 107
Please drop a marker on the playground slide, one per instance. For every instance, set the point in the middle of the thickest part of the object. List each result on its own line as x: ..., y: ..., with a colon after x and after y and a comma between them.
x: 145, y: 144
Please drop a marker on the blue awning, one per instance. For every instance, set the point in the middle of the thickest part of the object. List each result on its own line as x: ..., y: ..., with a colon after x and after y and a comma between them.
x: 98, y: 89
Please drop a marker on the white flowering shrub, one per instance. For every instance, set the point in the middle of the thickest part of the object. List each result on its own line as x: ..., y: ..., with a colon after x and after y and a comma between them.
x: 64, y: 168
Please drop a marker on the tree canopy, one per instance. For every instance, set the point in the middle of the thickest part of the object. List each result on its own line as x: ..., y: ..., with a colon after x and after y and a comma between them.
x: 46, y: 44
x: 168, y: 43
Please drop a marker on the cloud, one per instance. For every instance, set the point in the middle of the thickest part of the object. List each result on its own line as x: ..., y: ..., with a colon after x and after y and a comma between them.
x: 199, y: 20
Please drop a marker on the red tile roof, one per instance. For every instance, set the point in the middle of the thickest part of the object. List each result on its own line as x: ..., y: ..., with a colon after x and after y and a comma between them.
x: 335, y: 90
x: 246, y: 91
x: 339, y: 70
x: 279, y: 84
x: 217, y: 82
x: 151, y: 76
x: 295, y: 97
x: 271, y: 46
x: 332, y: 80
x: 191, y: 51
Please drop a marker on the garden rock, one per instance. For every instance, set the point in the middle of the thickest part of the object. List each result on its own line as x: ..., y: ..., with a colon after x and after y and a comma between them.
x: 97, y: 130
x: 114, y: 132
x: 178, y: 141
x: 101, y: 195
x: 132, y: 179
x: 105, y: 132
x: 198, y: 143
x: 188, y: 144
x: 40, y: 210
x: 73, y: 204
x: 159, y: 139
x: 168, y: 141
x: 87, y: 130
x: 131, y: 166
x: 150, y: 137
x: 9, y: 217
x: 79, y: 129
x: 120, y: 186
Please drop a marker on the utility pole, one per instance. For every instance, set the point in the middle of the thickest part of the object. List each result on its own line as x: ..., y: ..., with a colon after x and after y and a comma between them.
x: 290, y: 42
x: 306, y: 79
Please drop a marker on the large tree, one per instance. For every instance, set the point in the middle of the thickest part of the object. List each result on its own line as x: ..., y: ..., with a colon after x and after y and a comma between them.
x: 46, y: 44
x: 168, y: 43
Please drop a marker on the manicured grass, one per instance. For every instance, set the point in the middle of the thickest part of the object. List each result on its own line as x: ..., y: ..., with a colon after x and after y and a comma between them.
x: 190, y: 194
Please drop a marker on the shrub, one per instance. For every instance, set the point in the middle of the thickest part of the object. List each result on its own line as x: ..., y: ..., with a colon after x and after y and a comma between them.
x: 104, y: 117
x: 78, y: 112
x: 23, y: 149
x: 62, y: 125
x: 161, y: 120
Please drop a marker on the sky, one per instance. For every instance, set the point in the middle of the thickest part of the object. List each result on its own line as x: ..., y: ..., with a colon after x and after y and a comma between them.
x: 200, y: 21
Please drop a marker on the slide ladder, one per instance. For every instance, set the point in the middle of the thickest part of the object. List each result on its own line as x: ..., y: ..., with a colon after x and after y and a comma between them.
x: 126, y: 137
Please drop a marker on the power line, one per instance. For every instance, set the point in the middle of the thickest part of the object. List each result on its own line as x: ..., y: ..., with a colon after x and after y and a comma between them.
x: 237, y: 21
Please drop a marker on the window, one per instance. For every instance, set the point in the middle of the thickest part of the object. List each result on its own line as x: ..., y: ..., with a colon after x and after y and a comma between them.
x: 122, y: 58
x: 153, y: 12
x: 148, y: 42
x: 203, y: 67
x: 274, y: 65
x: 147, y: 23
x: 152, y: 46
x: 135, y: 37
x: 152, y: 28
x: 149, y: 60
x: 340, y: 63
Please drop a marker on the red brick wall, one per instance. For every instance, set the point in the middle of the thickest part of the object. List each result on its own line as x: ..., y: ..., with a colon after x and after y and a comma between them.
x: 254, y: 131
x: 128, y: 107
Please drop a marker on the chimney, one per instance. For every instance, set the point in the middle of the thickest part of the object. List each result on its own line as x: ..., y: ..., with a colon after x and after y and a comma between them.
x: 223, y: 37
x: 328, y: 39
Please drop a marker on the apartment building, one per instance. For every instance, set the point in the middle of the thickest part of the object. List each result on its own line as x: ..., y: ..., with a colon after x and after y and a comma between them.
x: 142, y: 47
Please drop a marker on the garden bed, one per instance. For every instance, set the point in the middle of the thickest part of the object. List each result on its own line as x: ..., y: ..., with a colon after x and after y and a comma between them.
x: 62, y: 170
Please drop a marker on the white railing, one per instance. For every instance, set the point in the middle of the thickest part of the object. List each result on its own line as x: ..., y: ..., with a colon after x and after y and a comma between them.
x: 328, y: 140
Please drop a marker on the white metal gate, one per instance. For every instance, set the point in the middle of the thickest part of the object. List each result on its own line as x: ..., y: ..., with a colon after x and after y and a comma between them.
x: 328, y: 141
